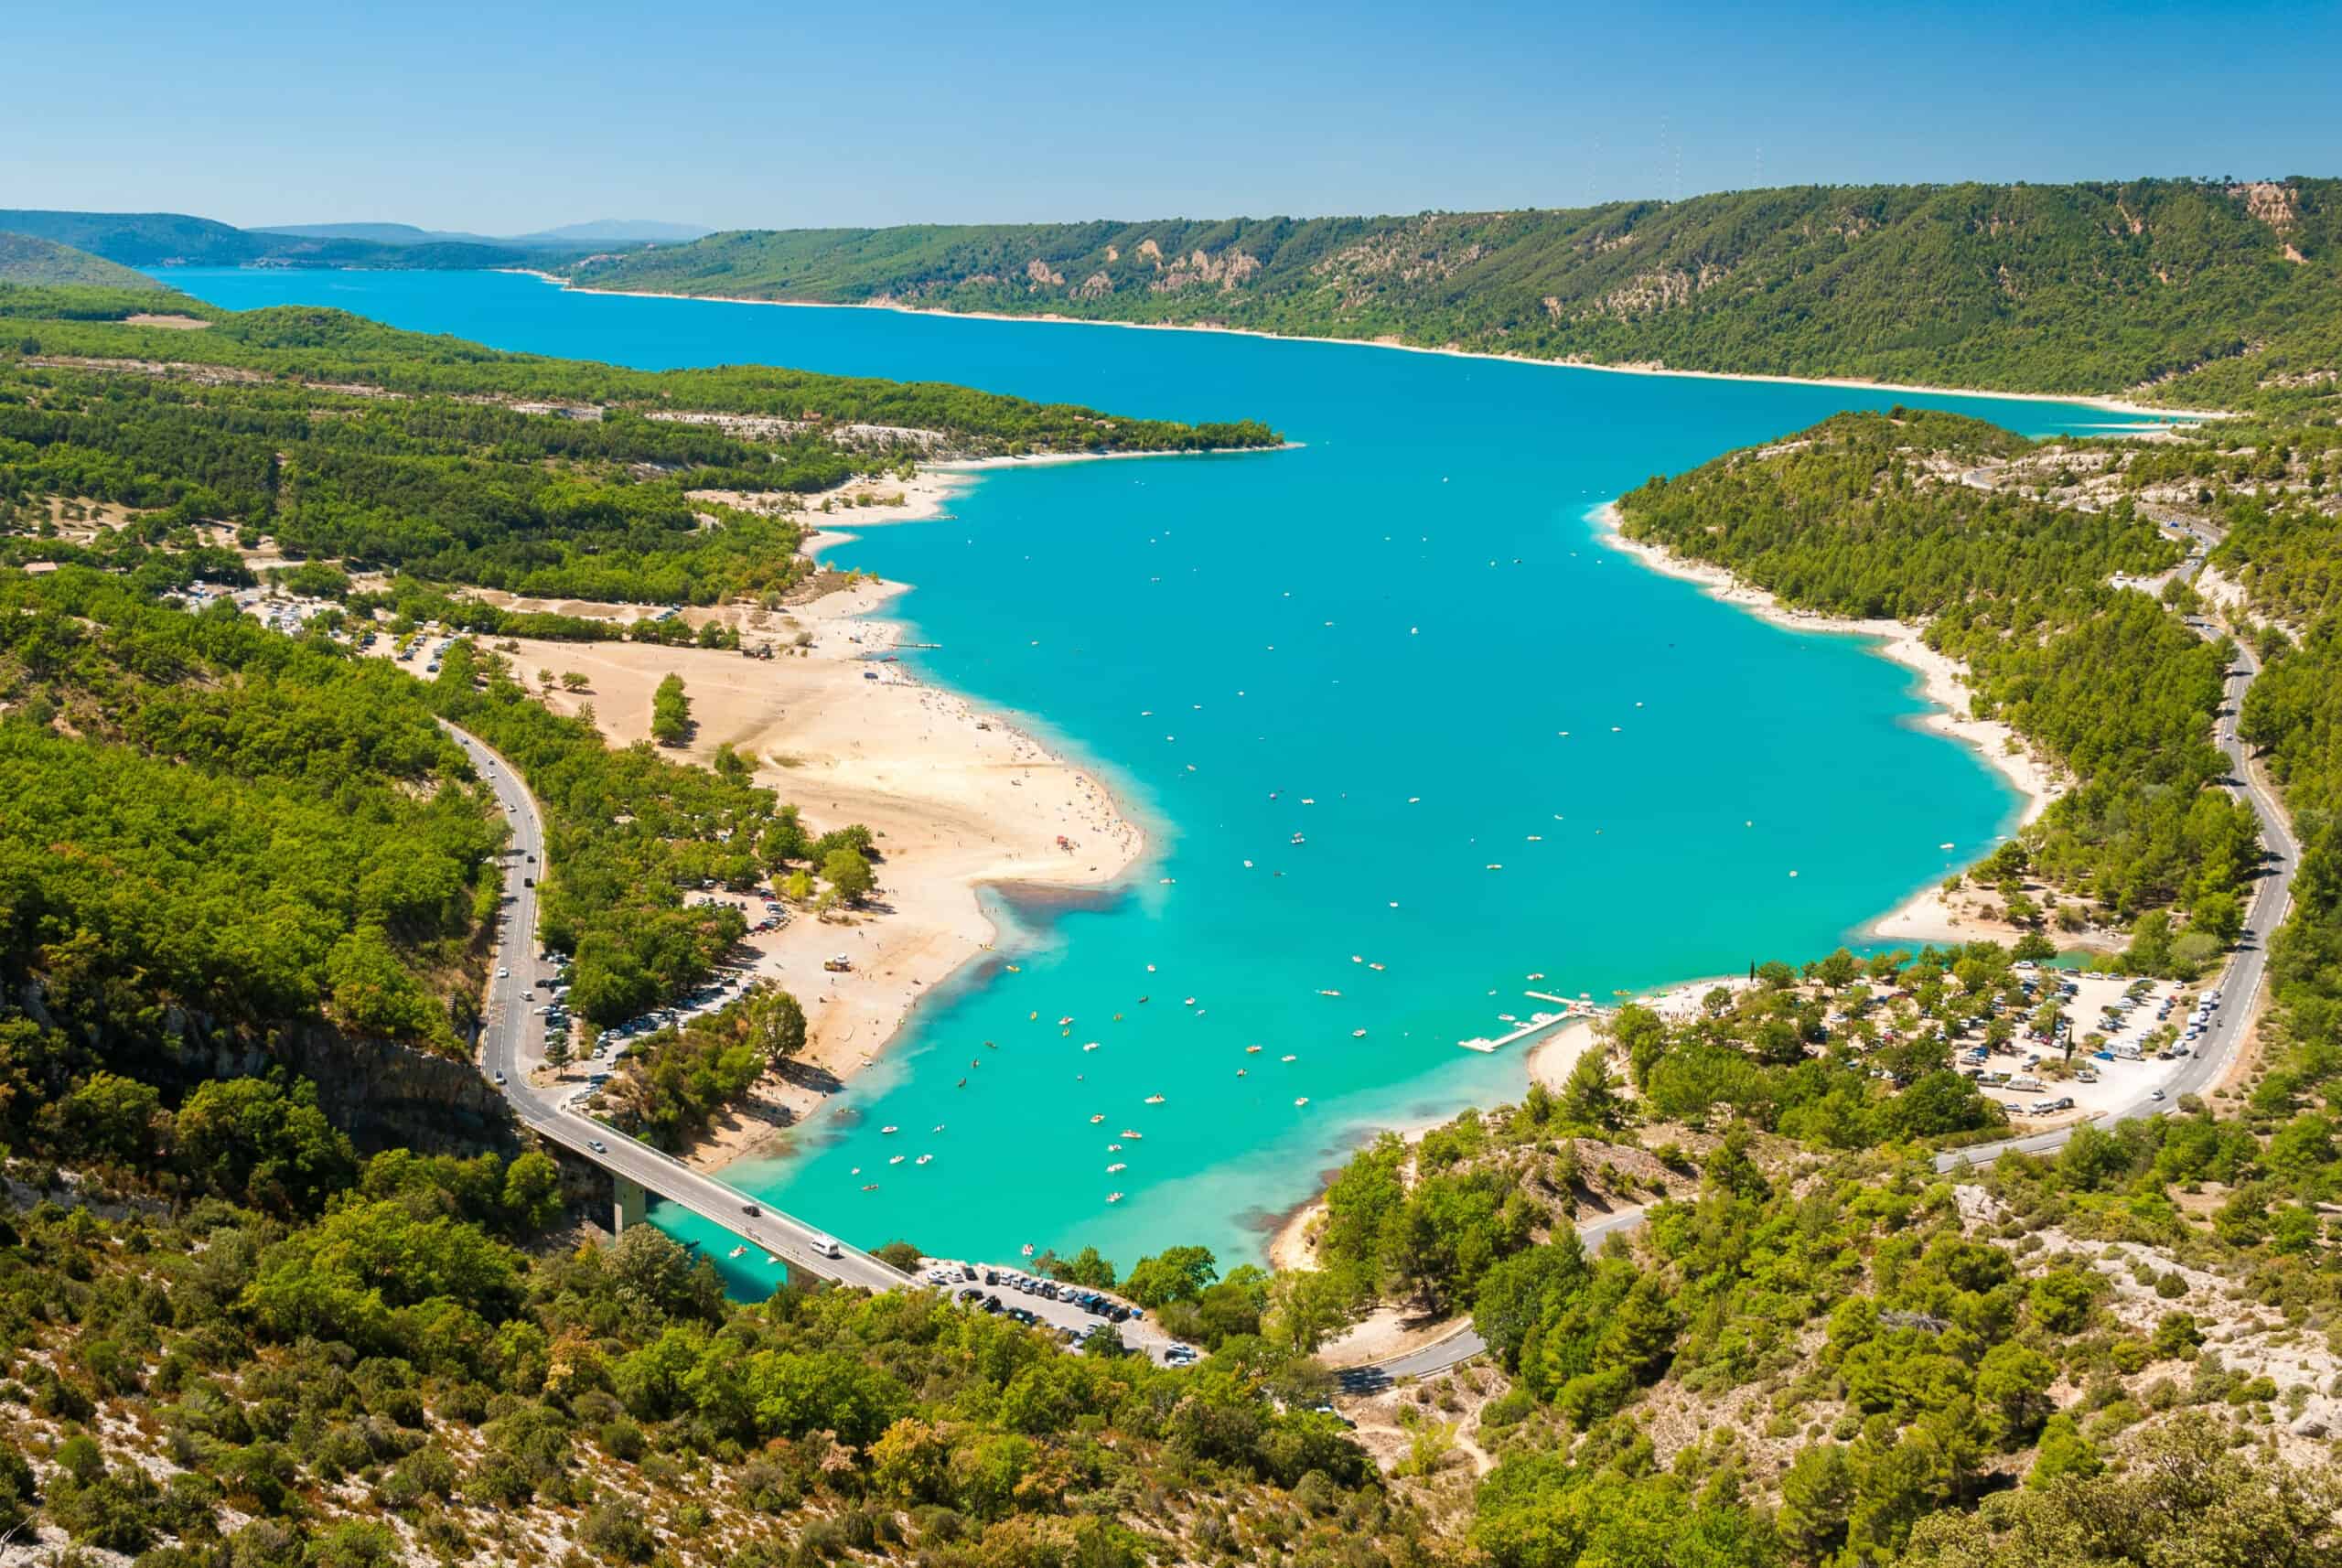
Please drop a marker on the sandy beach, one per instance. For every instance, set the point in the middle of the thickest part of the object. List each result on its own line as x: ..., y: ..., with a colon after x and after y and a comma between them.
x: 1930, y: 914
x: 960, y: 798
x: 2111, y: 404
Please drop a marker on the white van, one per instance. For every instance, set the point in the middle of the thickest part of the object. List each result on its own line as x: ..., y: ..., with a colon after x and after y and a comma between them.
x: 827, y: 1247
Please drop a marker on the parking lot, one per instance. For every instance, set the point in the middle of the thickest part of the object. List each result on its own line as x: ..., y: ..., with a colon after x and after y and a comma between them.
x: 2122, y: 1027
x: 1060, y: 1312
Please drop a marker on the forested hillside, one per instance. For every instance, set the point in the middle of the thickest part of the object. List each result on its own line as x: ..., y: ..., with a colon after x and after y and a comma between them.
x: 1828, y: 1343
x: 2227, y: 294
x: 174, y: 238
x: 1865, y: 515
x: 26, y: 260
x: 434, y: 461
x: 227, y: 1340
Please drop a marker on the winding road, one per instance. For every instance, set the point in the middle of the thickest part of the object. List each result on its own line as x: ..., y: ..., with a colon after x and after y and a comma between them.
x: 512, y: 1044
x: 2215, y: 1050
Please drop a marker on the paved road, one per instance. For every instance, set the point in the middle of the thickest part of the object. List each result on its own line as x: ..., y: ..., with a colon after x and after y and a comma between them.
x: 1466, y: 1342
x: 2239, y: 988
x: 512, y: 1044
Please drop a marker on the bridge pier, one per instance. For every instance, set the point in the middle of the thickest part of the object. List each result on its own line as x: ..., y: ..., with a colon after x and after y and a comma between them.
x: 629, y: 1206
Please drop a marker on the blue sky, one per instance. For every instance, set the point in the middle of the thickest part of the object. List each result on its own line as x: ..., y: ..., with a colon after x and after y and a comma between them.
x: 502, y: 118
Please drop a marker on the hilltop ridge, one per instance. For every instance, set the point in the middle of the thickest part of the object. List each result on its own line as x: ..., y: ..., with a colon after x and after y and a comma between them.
x: 2185, y: 289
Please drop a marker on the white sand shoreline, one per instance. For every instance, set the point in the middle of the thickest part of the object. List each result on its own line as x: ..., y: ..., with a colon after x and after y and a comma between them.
x: 2080, y: 399
x: 1927, y: 915
x: 966, y: 798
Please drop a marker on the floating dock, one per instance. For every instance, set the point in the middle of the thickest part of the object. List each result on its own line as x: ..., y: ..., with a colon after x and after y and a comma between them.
x: 1537, y: 1025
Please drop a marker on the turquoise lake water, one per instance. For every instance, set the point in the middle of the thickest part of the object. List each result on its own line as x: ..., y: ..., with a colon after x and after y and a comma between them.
x: 1396, y: 622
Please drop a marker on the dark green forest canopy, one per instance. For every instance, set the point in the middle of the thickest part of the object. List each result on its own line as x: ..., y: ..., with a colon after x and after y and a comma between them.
x: 2221, y: 294
x: 338, y: 439
x: 310, y: 343
x: 213, y: 827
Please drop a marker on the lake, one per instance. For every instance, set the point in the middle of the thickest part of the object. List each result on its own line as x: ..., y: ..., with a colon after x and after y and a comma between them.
x: 1340, y: 684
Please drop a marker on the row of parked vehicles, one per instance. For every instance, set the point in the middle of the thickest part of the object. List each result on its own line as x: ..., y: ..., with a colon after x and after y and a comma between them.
x: 1095, y: 1303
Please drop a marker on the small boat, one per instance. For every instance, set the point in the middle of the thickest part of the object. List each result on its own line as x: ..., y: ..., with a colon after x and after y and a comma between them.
x: 1064, y: 1021
x: 1014, y: 969
x: 1095, y: 1120
x: 1251, y: 1050
x: 773, y: 1258
x: 1298, y: 839
x: 1307, y: 800
x: 895, y: 1161
x: 1113, y: 1198
x: 884, y: 1131
x: 1190, y: 1002
x: 1240, y: 1072
x: 1113, y: 1148
x: 1155, y: 1100
x: 1374, y: 966
x: 1357, y: 958
x: 738, y: 1252
x: 1134, y: 1137
x: 1117, y: 1166
x: 1150, y: 969
x: 1494, y: 865
x: 939, y: 1126
x: 1090, y: 1046
x: 1358, y: 1033
x: 1325, y: 993
x: 1288, y: 1058
x: 1302, y: 1101
x: 923, y: 1159
x: 870, y: 1187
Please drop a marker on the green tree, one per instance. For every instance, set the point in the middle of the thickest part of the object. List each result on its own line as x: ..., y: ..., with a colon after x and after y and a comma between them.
x: 849, y: 875
x: 2063, y: 1452
x: 670, y: 713
x: 1817, y: 1496
x: 531, y: 1196
x: 1177, y: 1273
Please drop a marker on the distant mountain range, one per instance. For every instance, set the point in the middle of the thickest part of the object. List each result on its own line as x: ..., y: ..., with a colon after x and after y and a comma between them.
x: 569, y: 236
x: 176, y: 238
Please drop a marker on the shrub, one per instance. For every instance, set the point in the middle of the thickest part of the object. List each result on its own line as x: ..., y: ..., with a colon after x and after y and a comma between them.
x: 616, y: 1531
